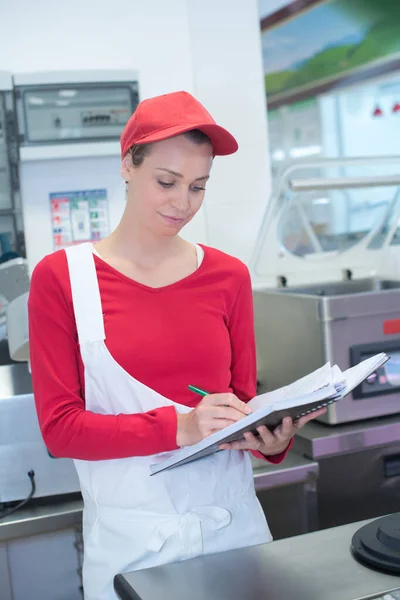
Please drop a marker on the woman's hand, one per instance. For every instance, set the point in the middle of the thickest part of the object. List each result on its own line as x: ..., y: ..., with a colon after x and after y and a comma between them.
x: 276, y: 442
x: 213, y: 413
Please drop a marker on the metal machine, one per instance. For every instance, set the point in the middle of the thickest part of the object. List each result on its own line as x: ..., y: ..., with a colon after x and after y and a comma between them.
x: 26, y: 468
x: 343, y: 323
x: 327, y: 288
x: 331, y: 231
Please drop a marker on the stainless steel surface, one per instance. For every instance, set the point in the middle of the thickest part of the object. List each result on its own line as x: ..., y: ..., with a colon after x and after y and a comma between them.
x: 359, y: 468
x: 42, y: 566
x: 14, y: 278
x: 358, y: 486
x: 21, y: 445
x: 293, y: 470
x: 288, y: 494
x: 42, y: 518
x: 310, y: 325
x: 280, y: 317
x: 316, y: 566
x: 317, y: 440
x: 344, y: 288
x: 6, y: 593
x: 50, y: 514
x: 15, y: 380
x: 340, y: 183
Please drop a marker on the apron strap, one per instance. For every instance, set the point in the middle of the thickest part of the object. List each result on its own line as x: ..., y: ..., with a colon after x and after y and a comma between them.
x: 85, y: 293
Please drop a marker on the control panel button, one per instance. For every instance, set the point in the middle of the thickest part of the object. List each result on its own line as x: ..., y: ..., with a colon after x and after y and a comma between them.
x: 371, y: 379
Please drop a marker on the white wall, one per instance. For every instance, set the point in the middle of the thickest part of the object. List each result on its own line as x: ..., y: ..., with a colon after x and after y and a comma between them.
x: 362, y: 134
x: 150, y: 36
x: 349, y: 129
x: 228, y: 78
x: 211, y: 49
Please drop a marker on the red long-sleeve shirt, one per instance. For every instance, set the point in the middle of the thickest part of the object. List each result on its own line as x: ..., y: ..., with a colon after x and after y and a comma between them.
x: 196, y: 331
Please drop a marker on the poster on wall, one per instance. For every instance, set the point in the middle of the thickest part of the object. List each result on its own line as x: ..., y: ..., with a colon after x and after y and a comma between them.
x: 79, y: 216
x: 313, y: 50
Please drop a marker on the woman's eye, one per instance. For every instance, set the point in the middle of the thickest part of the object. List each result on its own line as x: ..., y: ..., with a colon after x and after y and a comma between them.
x: 198, y: 189
x: 165, y: 184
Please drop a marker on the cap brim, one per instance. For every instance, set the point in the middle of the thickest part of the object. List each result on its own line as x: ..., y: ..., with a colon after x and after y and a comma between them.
x: 222, y: 141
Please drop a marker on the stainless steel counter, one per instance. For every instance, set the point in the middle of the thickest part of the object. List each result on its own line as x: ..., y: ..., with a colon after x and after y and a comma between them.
x: 295, y: 469
x: 316, y: 566
x: 359, y: 473
x: 42, y: 518
x: 288, y: 494
x: 48, y: 515
x: 317, y: 440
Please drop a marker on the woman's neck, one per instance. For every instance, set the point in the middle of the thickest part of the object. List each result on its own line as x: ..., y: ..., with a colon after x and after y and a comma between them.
x: 138, y: 244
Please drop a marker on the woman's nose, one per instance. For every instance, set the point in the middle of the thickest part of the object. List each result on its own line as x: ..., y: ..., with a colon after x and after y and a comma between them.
x: 181, y: 200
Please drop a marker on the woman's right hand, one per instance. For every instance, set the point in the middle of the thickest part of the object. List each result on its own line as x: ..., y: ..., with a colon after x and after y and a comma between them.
x: 213, y: 413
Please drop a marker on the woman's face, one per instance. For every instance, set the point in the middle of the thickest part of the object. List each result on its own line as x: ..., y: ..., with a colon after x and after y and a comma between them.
x: 167, y: 189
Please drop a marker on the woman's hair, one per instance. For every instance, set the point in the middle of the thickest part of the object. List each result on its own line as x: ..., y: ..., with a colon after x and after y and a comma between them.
x: 139, y: 152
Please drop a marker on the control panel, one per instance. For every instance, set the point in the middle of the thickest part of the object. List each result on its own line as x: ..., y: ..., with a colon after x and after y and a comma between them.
x: 386, y: 379
x: 74, y: 112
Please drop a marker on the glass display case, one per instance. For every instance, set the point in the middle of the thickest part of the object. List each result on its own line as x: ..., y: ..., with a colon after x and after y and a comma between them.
x: 327, y: 218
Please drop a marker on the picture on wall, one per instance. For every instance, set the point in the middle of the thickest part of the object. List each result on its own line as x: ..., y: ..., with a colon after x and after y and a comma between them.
x: 328, y: 44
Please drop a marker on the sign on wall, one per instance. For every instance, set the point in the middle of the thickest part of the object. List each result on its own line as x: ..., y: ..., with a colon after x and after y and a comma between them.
x: 79, y: 216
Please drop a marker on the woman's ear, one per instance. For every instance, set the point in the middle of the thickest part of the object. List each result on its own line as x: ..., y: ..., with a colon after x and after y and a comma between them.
x: 126, y: 168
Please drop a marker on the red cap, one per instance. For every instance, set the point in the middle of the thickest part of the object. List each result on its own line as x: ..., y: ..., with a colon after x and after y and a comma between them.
x: 168, y: 115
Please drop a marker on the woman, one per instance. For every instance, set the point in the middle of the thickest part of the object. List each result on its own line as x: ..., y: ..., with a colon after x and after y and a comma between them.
x: 118, y: 331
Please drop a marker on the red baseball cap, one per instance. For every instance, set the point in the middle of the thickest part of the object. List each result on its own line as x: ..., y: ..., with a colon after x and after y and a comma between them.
x: 168, y: 115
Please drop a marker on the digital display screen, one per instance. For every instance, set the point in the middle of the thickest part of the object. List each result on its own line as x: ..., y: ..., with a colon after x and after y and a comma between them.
x: 392, y: 369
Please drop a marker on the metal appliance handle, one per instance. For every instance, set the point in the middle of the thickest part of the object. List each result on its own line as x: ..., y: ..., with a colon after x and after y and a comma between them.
x: 339, y: 183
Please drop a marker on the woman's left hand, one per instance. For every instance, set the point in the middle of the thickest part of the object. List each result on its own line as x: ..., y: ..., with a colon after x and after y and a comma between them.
x: 276, y: 442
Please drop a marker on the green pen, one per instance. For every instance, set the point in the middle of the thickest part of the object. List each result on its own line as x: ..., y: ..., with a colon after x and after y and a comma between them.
x: 197, y: 390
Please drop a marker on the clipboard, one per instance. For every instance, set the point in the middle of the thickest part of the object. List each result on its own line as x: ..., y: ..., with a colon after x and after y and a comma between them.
x: 272, y: 412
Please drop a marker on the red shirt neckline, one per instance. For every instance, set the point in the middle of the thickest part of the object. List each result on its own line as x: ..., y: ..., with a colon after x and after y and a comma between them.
x: 149, y: 288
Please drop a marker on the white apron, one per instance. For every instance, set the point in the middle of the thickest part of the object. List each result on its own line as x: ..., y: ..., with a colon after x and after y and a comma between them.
x: 131, y: 520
